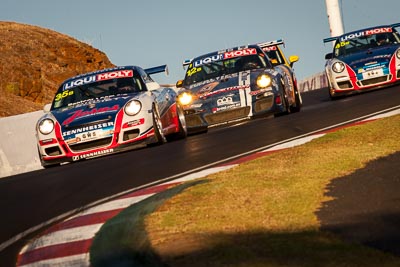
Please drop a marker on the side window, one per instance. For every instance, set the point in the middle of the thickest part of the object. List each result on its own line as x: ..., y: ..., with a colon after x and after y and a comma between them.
x: 141, y: 79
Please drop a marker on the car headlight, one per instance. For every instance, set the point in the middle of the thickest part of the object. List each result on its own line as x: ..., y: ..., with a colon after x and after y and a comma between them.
x: 185, y: 98
x: 264, y: 81
x: 398, y: 53
x: 338, y: 67
x: 133, y: 107
x: 46, y: 126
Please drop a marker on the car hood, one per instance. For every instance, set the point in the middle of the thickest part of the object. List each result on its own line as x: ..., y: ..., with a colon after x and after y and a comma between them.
x: 370, y: 58
x: 224, y: 84
x: 93, y: 111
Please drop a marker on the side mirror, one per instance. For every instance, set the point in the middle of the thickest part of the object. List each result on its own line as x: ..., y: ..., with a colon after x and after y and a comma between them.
x: 179, y: 84
x: 47, y: 108
x: 329, y: 56
x: 293, y: 59
x: 274, y: 62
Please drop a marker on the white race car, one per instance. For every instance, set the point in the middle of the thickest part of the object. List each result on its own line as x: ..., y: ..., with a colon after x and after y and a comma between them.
x: 108, y: 111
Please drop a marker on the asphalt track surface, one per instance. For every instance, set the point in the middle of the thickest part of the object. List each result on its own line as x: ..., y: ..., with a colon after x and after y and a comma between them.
x: 30, y: 199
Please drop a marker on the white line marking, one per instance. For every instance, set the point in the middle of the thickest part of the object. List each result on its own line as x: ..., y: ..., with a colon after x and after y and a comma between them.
x: 294, y: 143
x: 113, y: 205
x: 65, y: 236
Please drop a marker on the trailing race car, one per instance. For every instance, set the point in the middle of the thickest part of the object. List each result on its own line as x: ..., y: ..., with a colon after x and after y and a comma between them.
x: 235, y: 84
x: 276, y: 55
x: 108, y: 111
x: 363, y: 60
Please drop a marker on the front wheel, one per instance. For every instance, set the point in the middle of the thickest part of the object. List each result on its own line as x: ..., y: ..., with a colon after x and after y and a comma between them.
x: 182, y: 129
x: 158, y: 128
x: 332, y: 94
x: 298, y: 101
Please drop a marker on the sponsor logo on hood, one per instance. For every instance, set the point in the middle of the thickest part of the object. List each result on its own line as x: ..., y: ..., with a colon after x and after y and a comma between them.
x: 81, y: 113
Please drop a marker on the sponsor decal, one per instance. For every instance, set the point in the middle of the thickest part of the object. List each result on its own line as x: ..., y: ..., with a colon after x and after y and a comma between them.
x: 226, y: 100
x: 93, y: 154
x: 133, y: 123
x: 98, y: 77
x: 225, y: 55
x: 208, y: 87
x: 226, y: 107
x: 224, y: 90
x: 365, y: 33
x: 81, y: 113
x: 362, y: 60
x: 89, y: 128
x: 239, y: 53
x: 269, y: 48
x: 207, y: 60
x: 260, y: 91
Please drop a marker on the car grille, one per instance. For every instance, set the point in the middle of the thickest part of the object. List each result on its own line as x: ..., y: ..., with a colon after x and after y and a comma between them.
x: 264, y: 104
x: 91, y: 144
x: 345, y: 85
x: 375, y: 80
x: 227, y: 115
x: 193, y: 120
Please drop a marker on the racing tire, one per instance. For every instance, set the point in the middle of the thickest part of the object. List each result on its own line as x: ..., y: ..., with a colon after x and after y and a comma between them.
x: 182, y: 129
x: 285, y: 102
x: 158, y: 128
x: 298, y: 101
x: 332, y: 95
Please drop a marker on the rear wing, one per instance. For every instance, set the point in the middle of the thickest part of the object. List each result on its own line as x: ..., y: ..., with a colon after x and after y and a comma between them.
x: 395, y: 25
x: 330, y: 39
x: 186, y: 62
x: 272, y: 43
x: 158, y: 69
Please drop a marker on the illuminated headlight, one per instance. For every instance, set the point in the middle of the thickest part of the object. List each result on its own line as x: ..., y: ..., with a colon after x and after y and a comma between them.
x: 46, y: 126
x: 185, y: 98
x: 398, y: 53
x: 338, y: 67
x: 133, y: 107
x: 264, y: 81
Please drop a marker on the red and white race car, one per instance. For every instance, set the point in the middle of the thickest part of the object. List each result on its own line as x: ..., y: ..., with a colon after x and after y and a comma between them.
x: 108, y: 111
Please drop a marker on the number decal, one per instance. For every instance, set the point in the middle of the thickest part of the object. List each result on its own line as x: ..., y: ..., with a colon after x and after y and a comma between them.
x: 64, y: 94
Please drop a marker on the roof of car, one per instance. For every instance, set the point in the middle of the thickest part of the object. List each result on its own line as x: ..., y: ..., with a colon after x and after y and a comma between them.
x: 330, y: 39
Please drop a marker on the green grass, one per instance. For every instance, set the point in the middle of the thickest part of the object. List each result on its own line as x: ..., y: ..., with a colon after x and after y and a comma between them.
x: 262, y: 212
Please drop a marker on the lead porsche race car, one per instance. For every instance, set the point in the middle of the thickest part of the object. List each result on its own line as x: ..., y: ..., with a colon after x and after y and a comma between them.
x: 235, y: 84
x: 108, y: 111
x: 363, y: 60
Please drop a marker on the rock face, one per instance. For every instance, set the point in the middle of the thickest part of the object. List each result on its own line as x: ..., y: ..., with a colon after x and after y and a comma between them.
x: 33, y: 63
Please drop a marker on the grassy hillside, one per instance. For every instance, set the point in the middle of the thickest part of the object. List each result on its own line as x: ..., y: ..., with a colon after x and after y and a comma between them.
x: 263, y: 212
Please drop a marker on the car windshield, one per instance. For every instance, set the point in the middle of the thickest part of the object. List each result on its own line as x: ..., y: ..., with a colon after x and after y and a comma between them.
x: 274, y: 55
x: 69, y: 96
x: 213, y: 69
x: 364, y: 42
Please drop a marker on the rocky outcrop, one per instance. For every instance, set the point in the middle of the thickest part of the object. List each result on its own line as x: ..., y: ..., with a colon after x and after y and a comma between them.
x: 33, y: 63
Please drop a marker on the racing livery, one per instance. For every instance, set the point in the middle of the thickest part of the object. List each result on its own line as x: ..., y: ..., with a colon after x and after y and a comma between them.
x: 108, y: 111
x: 363, y: 60
x: 235, y: 84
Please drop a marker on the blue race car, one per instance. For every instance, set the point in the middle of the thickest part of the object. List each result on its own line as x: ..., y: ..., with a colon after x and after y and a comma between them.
x: 108, y: 111
x: 363, y: 60
x: 235, y: 84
